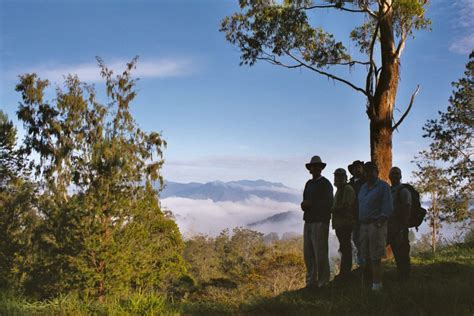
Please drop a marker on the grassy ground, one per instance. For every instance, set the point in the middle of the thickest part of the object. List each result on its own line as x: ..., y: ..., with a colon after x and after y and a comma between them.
x: 440, y: 285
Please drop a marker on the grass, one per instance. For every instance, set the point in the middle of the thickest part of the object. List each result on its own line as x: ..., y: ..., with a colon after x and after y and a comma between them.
x: 441, y: 284
x: 135, y: 304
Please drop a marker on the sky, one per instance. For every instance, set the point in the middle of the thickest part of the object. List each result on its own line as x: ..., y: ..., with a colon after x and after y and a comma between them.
x: 223, y: 121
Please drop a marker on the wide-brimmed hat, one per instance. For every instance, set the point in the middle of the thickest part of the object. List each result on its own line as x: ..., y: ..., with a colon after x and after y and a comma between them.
x: 355, y: 163
x: 316, y: 160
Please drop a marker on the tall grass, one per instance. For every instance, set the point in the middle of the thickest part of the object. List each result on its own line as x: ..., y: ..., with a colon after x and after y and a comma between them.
x: 133, y: 304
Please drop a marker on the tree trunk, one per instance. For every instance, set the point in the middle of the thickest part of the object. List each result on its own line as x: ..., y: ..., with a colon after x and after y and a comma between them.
x: 381, y: 110
x: 434, y: 222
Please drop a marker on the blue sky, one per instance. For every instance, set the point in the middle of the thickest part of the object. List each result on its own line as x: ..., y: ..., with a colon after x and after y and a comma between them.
x: 223, y: 121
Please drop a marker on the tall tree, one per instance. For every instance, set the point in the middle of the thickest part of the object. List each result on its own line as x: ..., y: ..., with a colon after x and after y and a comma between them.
x: 283, y: 35
x: 445, y: 170
x: 452, y: 140
x: 102, y: 230
x: 17, y: 207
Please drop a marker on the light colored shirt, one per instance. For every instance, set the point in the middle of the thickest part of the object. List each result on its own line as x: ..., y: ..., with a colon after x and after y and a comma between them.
x: 375, y: 202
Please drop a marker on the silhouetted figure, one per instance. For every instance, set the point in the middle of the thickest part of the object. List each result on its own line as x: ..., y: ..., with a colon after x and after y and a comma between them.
x: 343, y: 220
x: 317, y: 203
x: 399, y: 223
x: 357, y: 180
x: 375, y: 208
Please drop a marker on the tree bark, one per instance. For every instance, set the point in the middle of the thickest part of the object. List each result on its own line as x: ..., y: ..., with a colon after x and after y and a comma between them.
x: 381, y: 109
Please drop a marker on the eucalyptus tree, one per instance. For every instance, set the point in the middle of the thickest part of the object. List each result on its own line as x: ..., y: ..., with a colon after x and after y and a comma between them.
x: 103, y: 230
x: 283, y: 33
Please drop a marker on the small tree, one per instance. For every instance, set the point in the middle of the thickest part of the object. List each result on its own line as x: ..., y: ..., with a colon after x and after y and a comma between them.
x: 102, y: 230
x: 431, y: 181
x: 282, y: 34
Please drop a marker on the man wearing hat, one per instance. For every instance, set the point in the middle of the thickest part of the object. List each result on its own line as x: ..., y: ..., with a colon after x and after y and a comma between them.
x: 357, y: 180
x: 343, y: 220
x: 316, y: 205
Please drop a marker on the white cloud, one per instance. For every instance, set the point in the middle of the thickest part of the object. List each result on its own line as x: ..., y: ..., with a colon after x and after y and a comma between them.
x: 208, y: 217
x: 466, y: 12
x: 464, y: 44
x: 90, y: 72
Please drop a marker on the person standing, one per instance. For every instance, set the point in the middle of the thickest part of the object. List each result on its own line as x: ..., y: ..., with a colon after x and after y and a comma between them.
x: 316, y: 205
x: 398, y: 224
x: 375, y: 208
x: 357, y: 180
x: 343, y: 220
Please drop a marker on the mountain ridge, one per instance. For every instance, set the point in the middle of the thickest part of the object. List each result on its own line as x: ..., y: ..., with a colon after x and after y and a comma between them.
x: 234, y: 191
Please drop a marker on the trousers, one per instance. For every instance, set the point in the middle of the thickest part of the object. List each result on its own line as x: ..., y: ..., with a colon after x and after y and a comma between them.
x: 345, y: 247
x: 315, y: 248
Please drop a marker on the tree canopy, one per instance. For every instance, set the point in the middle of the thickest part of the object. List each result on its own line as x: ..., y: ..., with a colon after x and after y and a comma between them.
x: 285, y: 34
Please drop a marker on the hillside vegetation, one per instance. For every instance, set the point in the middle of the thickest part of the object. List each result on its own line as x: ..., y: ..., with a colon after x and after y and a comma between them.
x: 441, y: 284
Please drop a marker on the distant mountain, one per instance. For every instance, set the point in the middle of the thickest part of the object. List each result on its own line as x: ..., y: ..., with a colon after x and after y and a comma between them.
x: 234, y: 191
x: 284, y: 217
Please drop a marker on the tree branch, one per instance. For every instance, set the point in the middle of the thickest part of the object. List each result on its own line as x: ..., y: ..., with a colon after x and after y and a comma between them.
x: 401, y: 44
x: 351, y: 63
x: 333, y: 6
x: 278, y: 63
x: 412, y: 99
x: 331, y: 76
x: 372, y: 70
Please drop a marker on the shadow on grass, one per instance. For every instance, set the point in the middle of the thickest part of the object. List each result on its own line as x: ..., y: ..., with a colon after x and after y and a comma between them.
x: 444, y: 288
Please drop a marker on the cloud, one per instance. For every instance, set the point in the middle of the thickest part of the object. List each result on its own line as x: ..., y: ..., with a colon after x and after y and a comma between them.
x: 90, y: 72
x: 464, y: 44
x: 196, y: 217
x: 208, y: 217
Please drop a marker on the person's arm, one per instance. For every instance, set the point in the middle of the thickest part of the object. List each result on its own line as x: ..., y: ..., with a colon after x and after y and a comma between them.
x: 387, y: 202
x: 334, y: 206
x: 306, y: 203
x: 405, y: 207
x: 348, y: 199
x: 330, y: 195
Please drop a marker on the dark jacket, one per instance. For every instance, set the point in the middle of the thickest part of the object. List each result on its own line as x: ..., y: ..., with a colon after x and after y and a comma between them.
x: 320, y: 193
x: 356, y: 185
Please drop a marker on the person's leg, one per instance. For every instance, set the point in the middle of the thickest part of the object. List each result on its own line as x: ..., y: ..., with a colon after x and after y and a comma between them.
x: 309, y: 255
x: 404, y: 256
x: 346, y: 251
x: 322, y: 258
x: 364, y: 248
x: 377, y: 271
x: 377, y: 244
x: 356, y: 241
x: 340, y: 238
x: 393, y: 239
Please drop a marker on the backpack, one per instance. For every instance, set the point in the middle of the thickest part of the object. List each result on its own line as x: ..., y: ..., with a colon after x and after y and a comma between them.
x: 417, y: 213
